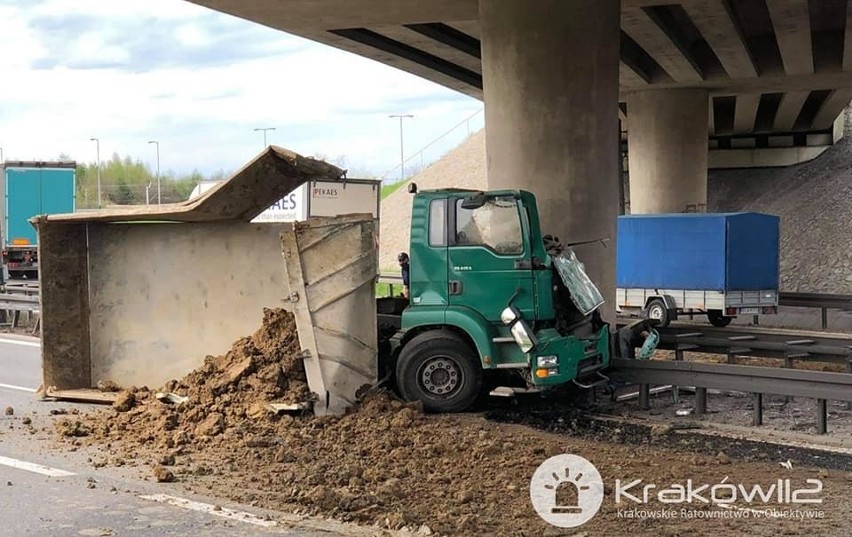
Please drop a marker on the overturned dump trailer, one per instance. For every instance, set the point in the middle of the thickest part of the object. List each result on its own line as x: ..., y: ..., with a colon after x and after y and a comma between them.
x: 141, y: 295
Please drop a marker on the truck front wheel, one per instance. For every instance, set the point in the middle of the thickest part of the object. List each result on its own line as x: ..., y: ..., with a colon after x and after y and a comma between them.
x: 717, y: 319
x: 439, y: 369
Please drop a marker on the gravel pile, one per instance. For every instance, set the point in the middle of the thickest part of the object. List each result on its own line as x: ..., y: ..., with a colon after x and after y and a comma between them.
x: 814, y: 201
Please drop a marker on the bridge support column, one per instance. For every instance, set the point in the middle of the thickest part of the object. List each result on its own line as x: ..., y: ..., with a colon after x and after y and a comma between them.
x: 550, y: 75
x: 667, y: 145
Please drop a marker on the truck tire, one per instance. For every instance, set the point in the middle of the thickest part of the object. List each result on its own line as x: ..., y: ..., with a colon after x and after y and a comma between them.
x: 657, y: 311
x: 717, y: 319
x: 439, y: 369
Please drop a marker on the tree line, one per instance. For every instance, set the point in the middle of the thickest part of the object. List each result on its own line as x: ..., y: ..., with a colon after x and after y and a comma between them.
x: 125, y: 181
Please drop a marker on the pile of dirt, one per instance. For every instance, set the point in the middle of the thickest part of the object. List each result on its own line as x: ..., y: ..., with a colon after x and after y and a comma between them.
x: 263, y: 368
x: 383, y: 464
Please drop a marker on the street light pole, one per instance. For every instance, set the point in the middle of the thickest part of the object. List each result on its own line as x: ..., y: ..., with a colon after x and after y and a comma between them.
x: 155, y: 142
x: 98, y: 153
x: 401, y: 144
x: 264, y: 133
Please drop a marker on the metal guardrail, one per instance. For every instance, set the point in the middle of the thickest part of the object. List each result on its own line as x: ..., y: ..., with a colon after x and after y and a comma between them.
x: 18, y: 303
x: 22, y: 287
x: 740, y: 341
x: 822, y: 301
x: 15, y: 304
x: 815, y: 300
x: 392, y: 280
x: 819, y: 385
x: 21, y: 296
x: 741, y: 378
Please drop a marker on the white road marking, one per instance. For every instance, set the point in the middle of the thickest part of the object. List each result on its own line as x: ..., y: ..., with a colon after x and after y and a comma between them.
x: 23, y: 342
x: 21, y: 388
x: 32, y: 467
x: 210, y: 509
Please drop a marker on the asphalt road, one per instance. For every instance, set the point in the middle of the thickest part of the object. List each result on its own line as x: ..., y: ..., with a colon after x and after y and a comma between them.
x: 46, y: 490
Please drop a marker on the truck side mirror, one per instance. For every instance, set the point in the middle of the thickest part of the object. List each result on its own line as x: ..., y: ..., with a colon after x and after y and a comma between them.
x: 519, y: 329
x: 412, y: 188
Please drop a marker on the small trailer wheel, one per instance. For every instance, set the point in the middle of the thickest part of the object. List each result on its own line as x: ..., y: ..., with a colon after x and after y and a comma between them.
x: 657, y: 311
x: 717, y: 319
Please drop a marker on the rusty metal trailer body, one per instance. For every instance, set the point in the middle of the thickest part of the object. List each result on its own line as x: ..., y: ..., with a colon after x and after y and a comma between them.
x: 141, y: 295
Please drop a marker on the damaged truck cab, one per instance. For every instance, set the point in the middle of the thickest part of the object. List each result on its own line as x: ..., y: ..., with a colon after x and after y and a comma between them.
x: 489, y: 293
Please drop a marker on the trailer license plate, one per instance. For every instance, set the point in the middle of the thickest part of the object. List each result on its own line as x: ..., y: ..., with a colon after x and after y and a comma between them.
x: 749, y: 311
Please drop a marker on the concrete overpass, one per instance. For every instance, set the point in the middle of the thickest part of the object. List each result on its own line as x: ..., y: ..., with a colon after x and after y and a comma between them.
x: 556, y: 75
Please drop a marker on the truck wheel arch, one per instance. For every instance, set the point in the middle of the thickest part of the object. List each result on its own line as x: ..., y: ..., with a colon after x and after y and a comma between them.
x: 668, y: 300
x: 414, y: 332
x: 469, y: 325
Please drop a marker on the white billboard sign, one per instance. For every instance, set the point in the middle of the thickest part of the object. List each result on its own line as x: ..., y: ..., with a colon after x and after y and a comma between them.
x: 317, y: 198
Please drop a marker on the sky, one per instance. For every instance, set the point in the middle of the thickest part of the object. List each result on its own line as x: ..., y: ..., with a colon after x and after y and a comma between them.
x: 199, y: 82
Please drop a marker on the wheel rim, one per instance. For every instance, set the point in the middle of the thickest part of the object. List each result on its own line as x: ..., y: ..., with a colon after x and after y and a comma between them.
x: 656, y: 313
x: 440, y: 376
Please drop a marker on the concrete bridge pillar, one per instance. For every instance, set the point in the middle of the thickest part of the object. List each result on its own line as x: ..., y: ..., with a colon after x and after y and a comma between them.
x: 550, y: 75
x: 667, y: 146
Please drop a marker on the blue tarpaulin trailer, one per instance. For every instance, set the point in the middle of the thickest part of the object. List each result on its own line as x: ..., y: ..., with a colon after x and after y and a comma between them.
x: 722, y: 264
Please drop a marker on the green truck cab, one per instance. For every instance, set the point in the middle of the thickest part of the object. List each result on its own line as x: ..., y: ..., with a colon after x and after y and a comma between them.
x: 490, y: 296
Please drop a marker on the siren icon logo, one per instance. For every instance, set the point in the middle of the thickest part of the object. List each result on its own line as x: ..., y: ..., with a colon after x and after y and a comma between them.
x: 566, y: 490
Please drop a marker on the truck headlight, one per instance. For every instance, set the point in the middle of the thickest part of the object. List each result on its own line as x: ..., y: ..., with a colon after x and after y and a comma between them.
x: 548, y: 361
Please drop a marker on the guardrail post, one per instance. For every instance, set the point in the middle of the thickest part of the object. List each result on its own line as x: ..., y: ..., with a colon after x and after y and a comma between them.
x: 676, y: 389
x: 700, y: 400
x: 644, y: 396
x: 849, y: 370
x: 757, y: 415
x: 824, y: 313
x: 822, y: 416
x: 756, y: 320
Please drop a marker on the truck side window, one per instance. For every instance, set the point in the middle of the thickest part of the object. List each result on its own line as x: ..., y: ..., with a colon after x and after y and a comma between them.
x: 496, y: 225
x: 438, y: 223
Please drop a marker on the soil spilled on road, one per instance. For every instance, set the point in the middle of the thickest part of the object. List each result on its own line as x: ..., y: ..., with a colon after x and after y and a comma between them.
x: 387, y: 464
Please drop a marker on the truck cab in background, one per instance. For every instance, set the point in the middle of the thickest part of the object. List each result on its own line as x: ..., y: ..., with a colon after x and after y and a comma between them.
x: 31, y: 188
x: 487, y: 295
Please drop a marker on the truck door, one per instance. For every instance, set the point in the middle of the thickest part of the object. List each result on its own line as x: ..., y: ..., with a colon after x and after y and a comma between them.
x: 489, y: 259
x: 57, y: 191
